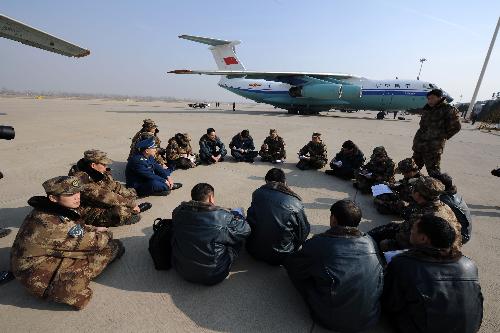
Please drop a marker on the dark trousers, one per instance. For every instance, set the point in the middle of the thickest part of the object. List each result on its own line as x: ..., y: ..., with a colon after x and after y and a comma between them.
x: 208, y: 159
x: 344, y: 173
x: 244, y: 157
x: 312, y: 163
x: 151, y: 187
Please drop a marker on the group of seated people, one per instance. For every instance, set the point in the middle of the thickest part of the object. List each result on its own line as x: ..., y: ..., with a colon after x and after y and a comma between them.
x: 412, y: 271
x: 343, y: 276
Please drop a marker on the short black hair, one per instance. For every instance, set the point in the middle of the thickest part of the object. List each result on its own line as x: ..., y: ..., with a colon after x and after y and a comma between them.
x: 347, y: 213
x: 446, y: 180
x: 275, y: 175
x: 201, y: 191
x: 245, y: 133
x: 440, y: 232
x: 210, y: 130
x: 435, y: 92
x: 348, y: 145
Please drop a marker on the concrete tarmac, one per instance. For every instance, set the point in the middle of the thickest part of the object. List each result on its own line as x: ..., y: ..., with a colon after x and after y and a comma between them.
x: 131, y: 296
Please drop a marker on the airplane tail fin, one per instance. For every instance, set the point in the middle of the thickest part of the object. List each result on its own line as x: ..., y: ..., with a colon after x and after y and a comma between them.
x: 223, y: 51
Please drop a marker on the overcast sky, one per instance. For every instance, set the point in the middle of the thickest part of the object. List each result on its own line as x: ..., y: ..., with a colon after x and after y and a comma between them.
x: 134, y: 43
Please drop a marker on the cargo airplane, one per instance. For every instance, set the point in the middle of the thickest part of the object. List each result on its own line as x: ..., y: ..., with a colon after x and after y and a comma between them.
x: 309, y: 92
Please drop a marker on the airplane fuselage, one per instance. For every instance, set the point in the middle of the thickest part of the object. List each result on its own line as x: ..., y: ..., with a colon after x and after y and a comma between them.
x: 384, y: 95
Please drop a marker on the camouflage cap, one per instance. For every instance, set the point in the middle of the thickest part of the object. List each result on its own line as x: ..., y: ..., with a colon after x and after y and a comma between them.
x: 62, y: 185
x: 148, y: 123
x: 430, y: 188
x: 96, y: 156
x: 406, y: 165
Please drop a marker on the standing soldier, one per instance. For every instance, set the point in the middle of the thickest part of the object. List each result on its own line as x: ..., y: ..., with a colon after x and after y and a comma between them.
x: 380, y: 169
x: 313, y: 155
x: 400, y: 199
x: 439, y: 122
x: 148, y: 130
x: 55, y: 255
x: 273, y: 148
x: 105, y: 202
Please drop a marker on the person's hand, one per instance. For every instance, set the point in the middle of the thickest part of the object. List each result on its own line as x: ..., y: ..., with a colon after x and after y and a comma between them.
x: 169, y: 181
x: 215, y: 159
x: 101, y: 229
x: 136, y: 209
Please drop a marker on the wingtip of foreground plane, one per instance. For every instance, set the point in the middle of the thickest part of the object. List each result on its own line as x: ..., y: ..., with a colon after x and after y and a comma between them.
x: 83, y: 54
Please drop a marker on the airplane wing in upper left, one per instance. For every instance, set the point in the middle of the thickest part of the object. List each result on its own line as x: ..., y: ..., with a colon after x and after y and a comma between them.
x: 14, y: 30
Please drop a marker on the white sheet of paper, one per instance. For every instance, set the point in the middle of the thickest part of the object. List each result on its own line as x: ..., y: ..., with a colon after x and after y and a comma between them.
x: 390, y: 254
x: 239, y: 210
x: 338, y: 163
x: 380, y: 189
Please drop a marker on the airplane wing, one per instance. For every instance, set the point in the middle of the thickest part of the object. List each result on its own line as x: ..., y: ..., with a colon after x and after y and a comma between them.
x: 285, y: 77
x: 20, y: 32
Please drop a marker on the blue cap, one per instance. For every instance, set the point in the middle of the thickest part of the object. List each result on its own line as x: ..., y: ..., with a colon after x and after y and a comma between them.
x: 146, y: 143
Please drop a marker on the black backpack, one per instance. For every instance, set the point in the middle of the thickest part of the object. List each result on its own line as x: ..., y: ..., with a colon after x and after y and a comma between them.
x: 159, y: 244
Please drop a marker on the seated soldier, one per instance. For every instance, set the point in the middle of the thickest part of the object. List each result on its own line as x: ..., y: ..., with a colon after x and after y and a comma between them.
x: 349, y: 159
x: 426, y: 192
x: 313, y: 155
x: 212, y: 150
x: 273, y: 148
x: 457, y: 205
x: 55, y: 255
x: 278, y: 220
x: 206, y: 238
x: 180, y: 153
x: 400, y: 198
x: 432, y: 288
x: 148, y: 130
x: 242, y: 147
x: 145, y: 175
x: 339, y: 273
x: 380, y: 169
x: 104, y: 201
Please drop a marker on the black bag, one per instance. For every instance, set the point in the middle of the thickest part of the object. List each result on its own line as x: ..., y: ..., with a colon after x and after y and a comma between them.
x: 159, y: 244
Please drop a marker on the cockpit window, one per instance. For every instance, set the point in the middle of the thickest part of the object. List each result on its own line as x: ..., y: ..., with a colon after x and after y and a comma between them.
x: 432, y: 86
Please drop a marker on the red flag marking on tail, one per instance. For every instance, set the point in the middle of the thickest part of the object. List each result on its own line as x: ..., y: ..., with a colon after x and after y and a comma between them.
x: 230, y: 61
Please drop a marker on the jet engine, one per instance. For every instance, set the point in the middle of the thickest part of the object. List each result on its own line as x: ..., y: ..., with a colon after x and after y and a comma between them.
x: 319, y: 91
x: 327, y: 91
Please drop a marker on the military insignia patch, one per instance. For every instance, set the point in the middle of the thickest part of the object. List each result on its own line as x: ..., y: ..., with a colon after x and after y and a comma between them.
x: 76, y: 231
x: 75, y: 183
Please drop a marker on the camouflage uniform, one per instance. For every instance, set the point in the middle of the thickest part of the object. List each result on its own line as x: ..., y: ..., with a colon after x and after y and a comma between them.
x: 317, y: 155
x: 396, y: 202
x: 381, y: 168
x: 438, y: 124
x: 55, y: 255
x: 104, y: 201
x: 179, y: 152
x: 273, y: 149
x: 145, y: 133
x: 398, y: 234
